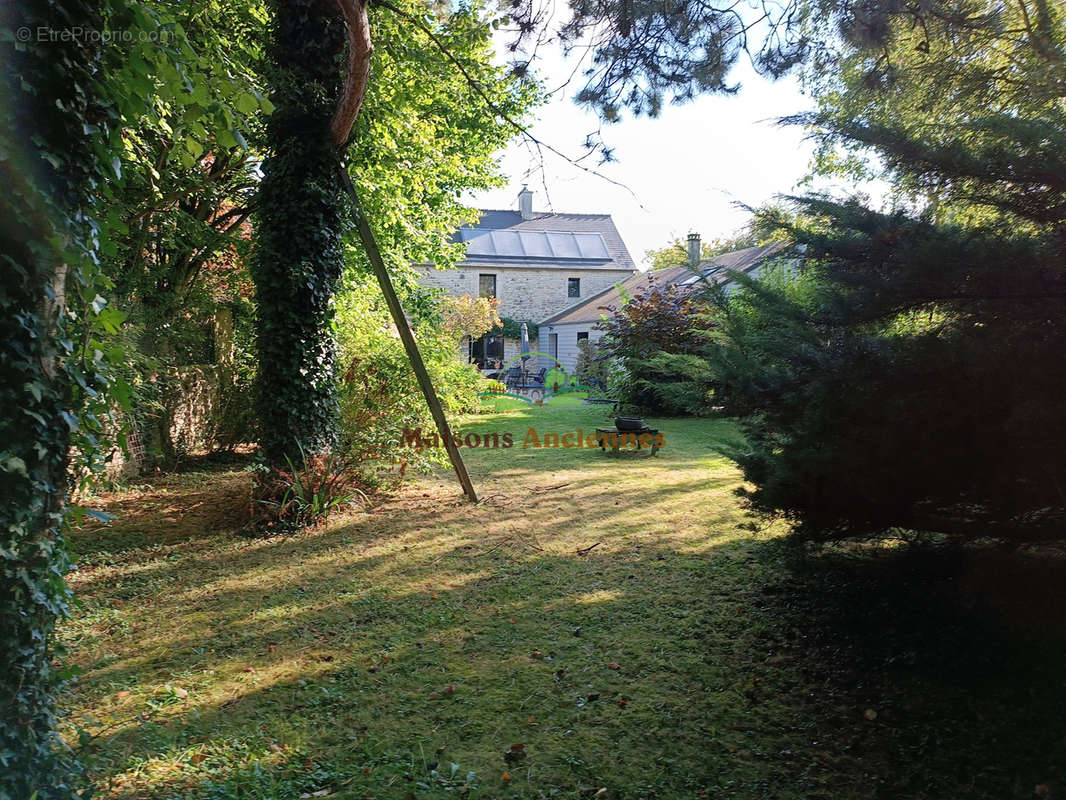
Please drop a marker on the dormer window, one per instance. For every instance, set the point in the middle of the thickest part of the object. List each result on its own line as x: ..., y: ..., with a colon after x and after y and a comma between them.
x: 573, y: 287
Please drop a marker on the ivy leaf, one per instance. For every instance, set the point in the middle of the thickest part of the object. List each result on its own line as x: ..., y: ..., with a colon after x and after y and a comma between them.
x: 111, y: 319
x: 15, y: 464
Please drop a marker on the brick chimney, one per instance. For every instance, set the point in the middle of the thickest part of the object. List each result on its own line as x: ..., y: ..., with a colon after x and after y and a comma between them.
x: 694, y: 256
x: 525, y: 203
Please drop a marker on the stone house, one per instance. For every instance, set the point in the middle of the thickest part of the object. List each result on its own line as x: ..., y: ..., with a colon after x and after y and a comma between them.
x: 536, y: 264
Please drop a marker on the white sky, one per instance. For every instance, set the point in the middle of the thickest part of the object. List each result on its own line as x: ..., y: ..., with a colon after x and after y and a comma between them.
x: 687, y: 167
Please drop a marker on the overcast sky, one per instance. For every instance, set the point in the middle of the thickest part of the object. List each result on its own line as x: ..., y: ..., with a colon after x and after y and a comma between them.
x: 686, y: 168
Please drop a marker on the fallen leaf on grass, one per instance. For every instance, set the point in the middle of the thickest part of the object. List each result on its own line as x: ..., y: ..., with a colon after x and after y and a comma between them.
x: 516, y: 752
x: 506, y: 776
x: 870, y: 714
x: 614, y: 665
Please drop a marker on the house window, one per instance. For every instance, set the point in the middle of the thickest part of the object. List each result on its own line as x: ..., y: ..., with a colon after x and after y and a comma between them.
x: 486, y: 286
x: 553, y: 345
x: 582, y: 336
x: 573, y: 287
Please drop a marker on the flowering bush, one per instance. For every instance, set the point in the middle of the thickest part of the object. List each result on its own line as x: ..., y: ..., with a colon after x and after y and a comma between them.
x: 379, y: 394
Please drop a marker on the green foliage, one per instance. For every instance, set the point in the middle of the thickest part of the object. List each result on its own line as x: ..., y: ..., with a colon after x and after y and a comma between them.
x: 912, y: 384
x: 961, y: 113
x: 675, y: 254
x: 180, y: 236
x: 591, y: 363
x: 511, y: 328
x: 55, y: 145
x: 234, y: 421
x: 657, y: 338
x: 379, y: 394
x: 298, y: 261
x: 425, y: 137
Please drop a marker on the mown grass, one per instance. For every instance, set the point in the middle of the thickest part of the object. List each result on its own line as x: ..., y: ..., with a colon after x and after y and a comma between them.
x: 619, y: 618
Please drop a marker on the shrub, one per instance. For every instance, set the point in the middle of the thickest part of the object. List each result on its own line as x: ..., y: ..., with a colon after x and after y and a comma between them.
x: 305, y: 494
x: 658, y: 339
x: 379, y: 394
x: 467, y: 315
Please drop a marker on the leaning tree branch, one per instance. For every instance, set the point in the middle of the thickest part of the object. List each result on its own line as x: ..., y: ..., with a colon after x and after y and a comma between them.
x: 360, y: 49
x: 494, y: 106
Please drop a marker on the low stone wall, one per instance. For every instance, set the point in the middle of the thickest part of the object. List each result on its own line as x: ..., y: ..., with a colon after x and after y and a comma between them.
x: 191, y: 407
x: 191, y: 401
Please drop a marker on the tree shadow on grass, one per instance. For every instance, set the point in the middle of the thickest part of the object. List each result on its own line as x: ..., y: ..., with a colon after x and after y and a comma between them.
x: 172, y: 511
x: 736, y: 675
x: 527, y: 641
x: 941, y: 672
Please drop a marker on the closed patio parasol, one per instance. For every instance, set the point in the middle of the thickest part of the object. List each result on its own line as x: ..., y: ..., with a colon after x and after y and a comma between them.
x: 525, y: 342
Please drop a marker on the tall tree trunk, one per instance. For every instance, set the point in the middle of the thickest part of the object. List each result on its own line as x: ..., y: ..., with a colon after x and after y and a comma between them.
x: 47, y: 162
x: 298, y: 260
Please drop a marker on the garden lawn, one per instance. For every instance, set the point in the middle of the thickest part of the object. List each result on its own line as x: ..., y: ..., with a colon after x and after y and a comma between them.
x: 597, y: 627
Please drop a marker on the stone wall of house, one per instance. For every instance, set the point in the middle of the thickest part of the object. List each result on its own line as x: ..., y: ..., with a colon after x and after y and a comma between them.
x: 525, y: 294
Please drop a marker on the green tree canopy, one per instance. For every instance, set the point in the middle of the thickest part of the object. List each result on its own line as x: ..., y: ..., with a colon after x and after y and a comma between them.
x: 909, y: 379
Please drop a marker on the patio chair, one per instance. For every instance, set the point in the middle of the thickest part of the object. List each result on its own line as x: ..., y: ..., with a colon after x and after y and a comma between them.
x: 538, y: 379
x: 512, y: 377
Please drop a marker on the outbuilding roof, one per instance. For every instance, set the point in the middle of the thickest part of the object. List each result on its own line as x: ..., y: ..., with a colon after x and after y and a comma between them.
x: 716, y: 269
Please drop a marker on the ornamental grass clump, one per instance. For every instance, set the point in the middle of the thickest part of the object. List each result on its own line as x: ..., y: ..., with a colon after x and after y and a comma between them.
x: 305, y: 494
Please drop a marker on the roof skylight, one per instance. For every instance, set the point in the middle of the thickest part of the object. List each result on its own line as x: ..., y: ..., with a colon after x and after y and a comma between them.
x: 534, y: 244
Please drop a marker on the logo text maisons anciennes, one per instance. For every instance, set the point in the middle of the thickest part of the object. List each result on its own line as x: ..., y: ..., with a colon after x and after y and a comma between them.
x: 570, y: 439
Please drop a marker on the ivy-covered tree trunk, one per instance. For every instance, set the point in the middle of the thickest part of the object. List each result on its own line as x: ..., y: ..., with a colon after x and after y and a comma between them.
x: 48, y: 133
x: 298, y: 261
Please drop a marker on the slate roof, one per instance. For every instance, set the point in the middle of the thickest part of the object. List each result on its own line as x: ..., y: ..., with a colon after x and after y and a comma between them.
x: 716, y: 269
x: 617, y: 256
